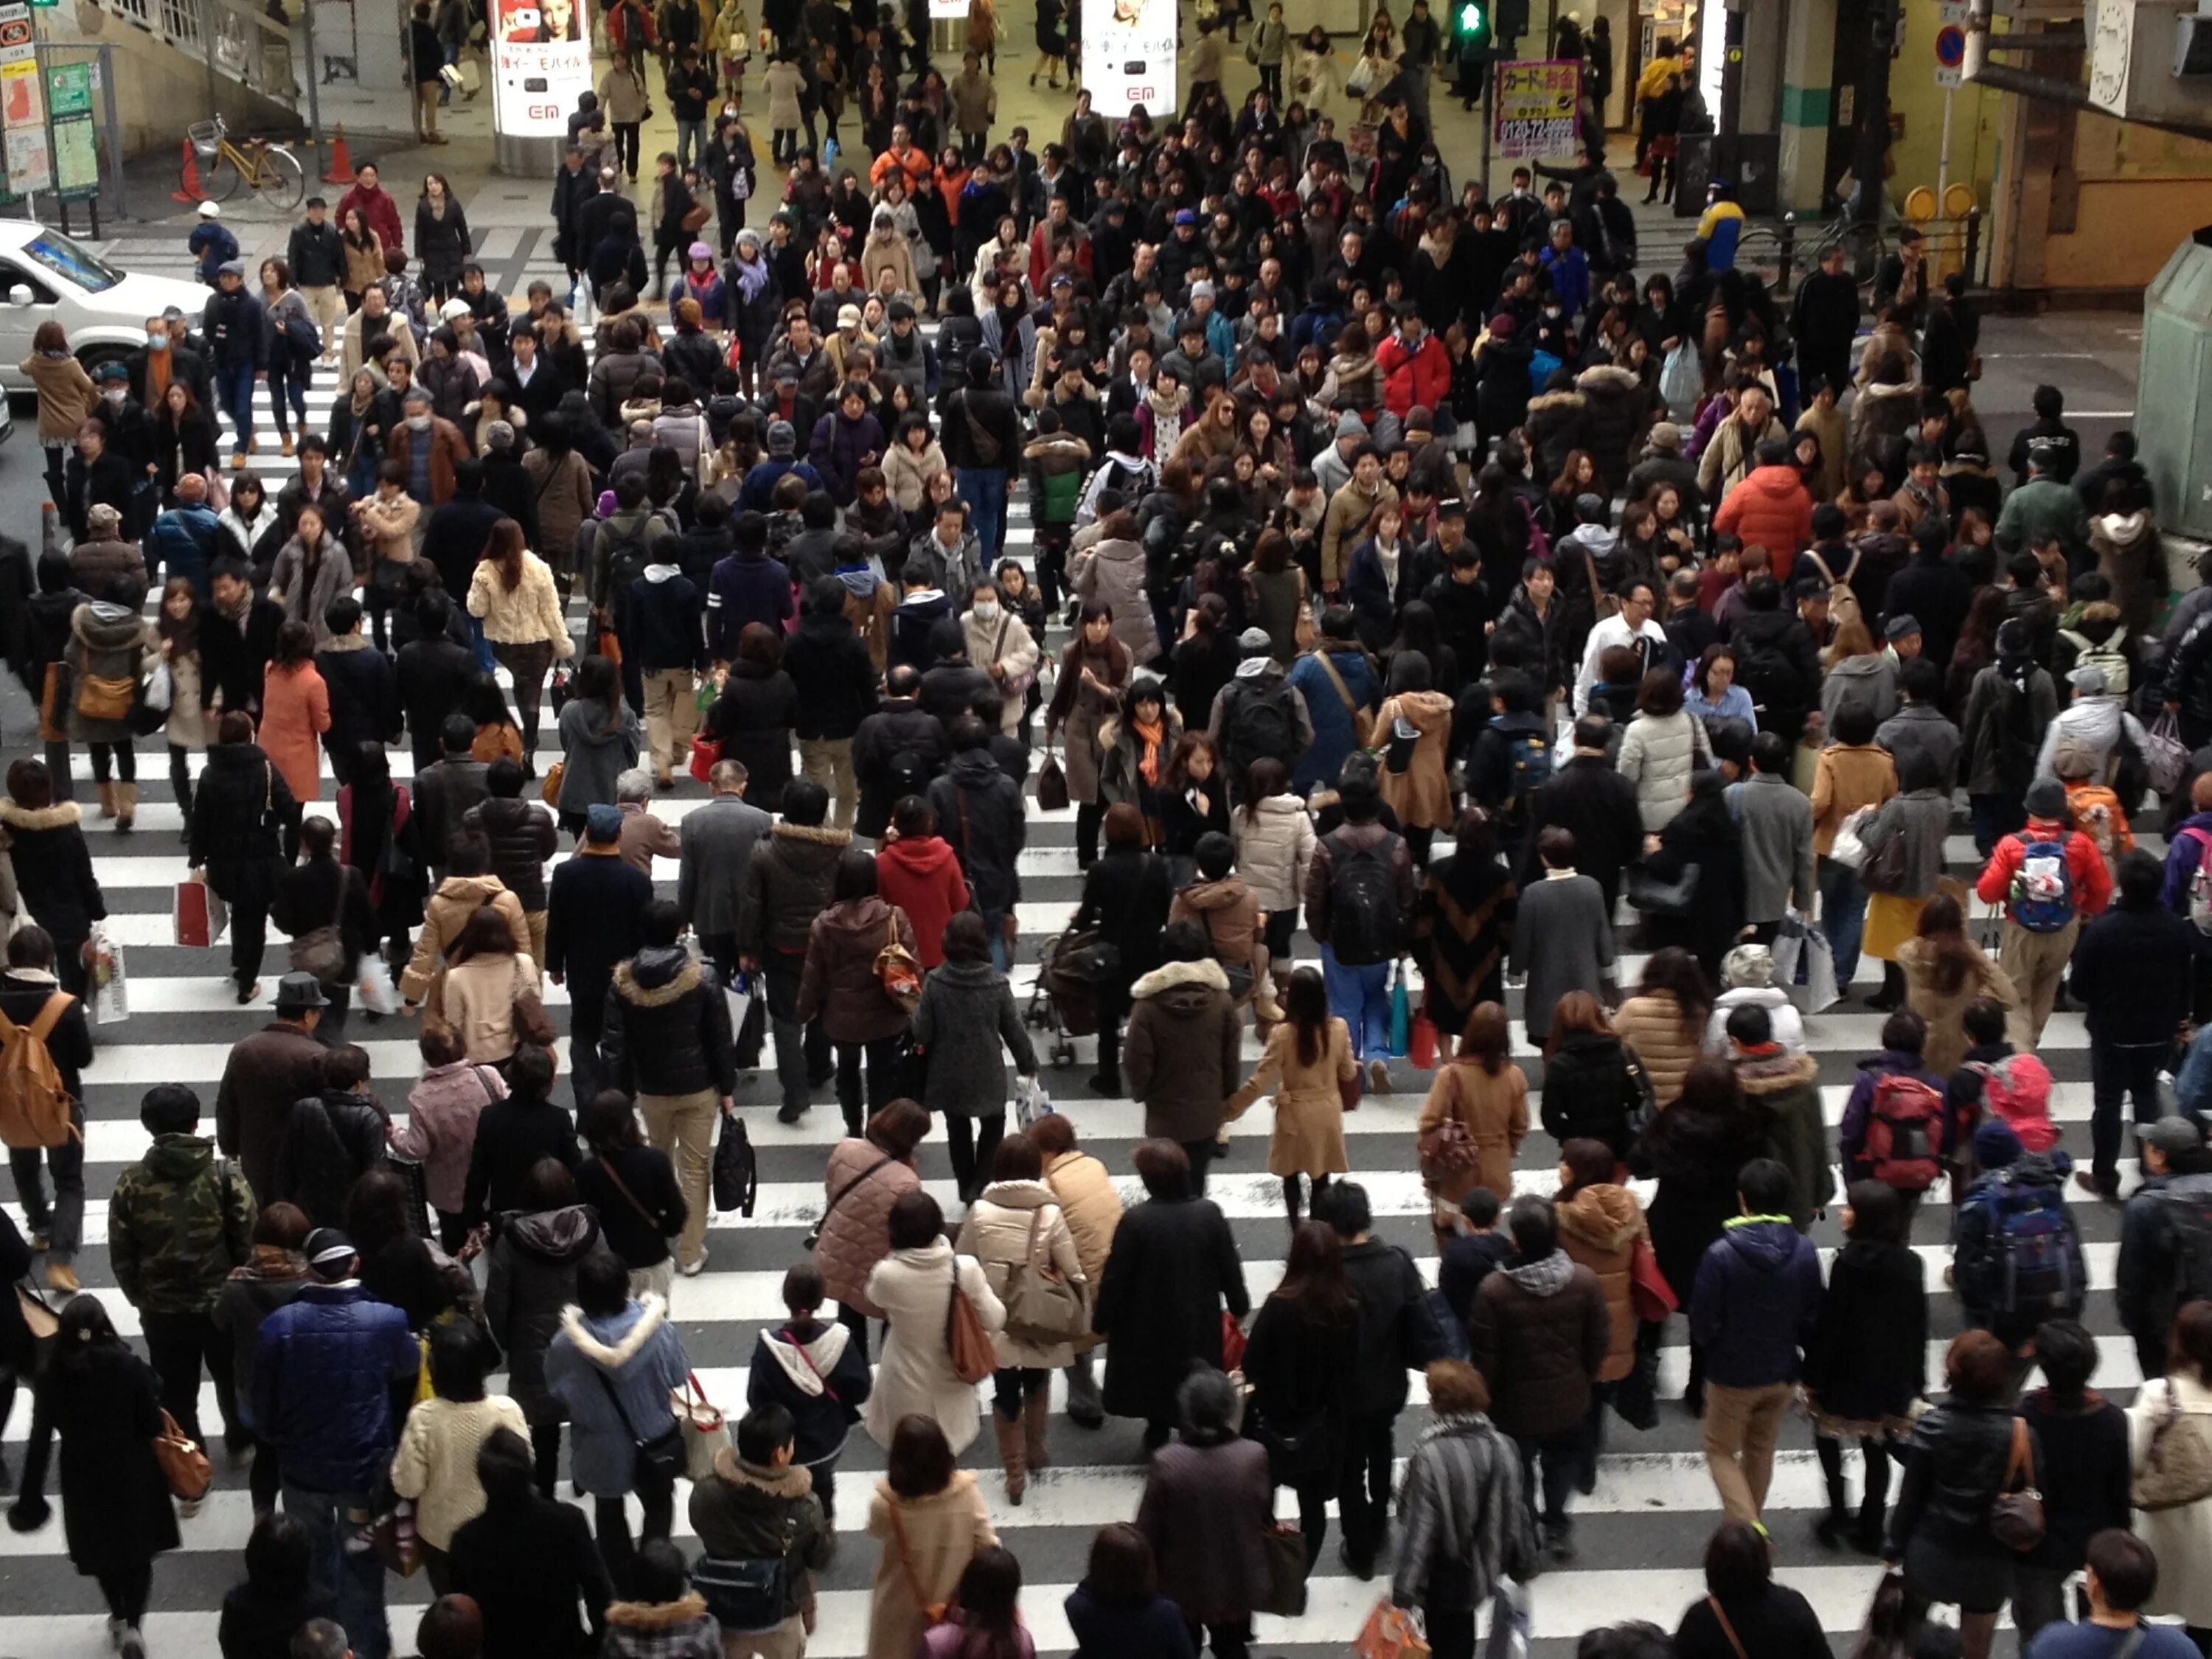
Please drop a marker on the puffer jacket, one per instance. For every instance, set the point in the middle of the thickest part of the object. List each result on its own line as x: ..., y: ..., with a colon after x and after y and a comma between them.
x: 1757, y: 1302
x: 1592, y: 1086
x: 1598, y: 1229
x: 1783, y: 1088
x: 447, y: 911
x: 668, y: 1027
x: 1540, y: 1332
x: 635, y: 1356
x: 789, y: 884
x: 330, y: 1140
x: 1114, y: 571
x: 523, y: 836
x: 106, y: 641
x: 839, y: 984
x: 682, y: 1629
x: 1961, y: 1451
x: 1770, y: 509
x: 1652, y: 1025
x: 1275, y: 843
x: 532, y: 1278
x: 744, y: 1511
x: 864, y: 1181
x: 998, y: 1233
x: 1092, y: 1204
x: 1616, y: 411
x: 323, y: 1372
x: 1183, y: 1055
x: 54, y: 878
x: 1658, y: 753
x: 1553, y: 429
x: 1231, y: 918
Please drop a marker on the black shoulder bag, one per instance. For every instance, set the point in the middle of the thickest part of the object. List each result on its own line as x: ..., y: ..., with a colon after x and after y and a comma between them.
x: 659, y: 1460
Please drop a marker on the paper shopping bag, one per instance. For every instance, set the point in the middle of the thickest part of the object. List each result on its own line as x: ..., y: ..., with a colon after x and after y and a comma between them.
x: 111, y: 989
x: 188, y: 914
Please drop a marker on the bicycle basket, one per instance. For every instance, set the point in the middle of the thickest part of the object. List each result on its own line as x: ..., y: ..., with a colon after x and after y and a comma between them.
x: 207, y: 139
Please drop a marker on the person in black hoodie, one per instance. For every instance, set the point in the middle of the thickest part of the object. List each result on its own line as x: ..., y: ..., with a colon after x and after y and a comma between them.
x: 1867, y: 1360
x: 813, y: 1369
x: 896, y: 751
x: 667, y: 1040
x: 241, y: 800
x: 529, y: 1562
x: 591, y: 910
x: 633, y: 1187
x: 523, y: 835
x: 331, y: 1139
x: 657, y: 619
x: 828, y: 665
x: 261, y: 1615
x: 2085, y: 1473
x: 364, y: 697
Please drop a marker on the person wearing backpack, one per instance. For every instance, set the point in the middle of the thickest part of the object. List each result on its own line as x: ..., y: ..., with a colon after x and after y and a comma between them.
x: 2049, y: 877
x: 2165, y: 1239
x: 2131, y: 974
x: 1359, y: 892
x: 2015, y: 1248
x: 41, y: 1100
x: 1512, y: 758
x: 1894, y: 1127
x: 1258, y: 715
x: 2009, y: 708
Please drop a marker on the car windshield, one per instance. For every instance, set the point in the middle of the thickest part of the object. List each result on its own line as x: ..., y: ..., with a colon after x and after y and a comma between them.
x: 71, y: 260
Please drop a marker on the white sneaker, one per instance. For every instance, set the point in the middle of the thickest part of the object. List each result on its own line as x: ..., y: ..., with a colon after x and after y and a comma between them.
x: 692, y: 1269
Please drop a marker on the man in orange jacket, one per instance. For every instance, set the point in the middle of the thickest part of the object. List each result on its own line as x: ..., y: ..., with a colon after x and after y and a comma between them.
x: 2048, y: 876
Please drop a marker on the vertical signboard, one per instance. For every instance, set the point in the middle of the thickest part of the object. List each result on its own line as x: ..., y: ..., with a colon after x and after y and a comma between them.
x: 1535, y: 107
x: 1129, y: 55
x: 75, y: 139
x: 22, y: 104
x: 540, y: 64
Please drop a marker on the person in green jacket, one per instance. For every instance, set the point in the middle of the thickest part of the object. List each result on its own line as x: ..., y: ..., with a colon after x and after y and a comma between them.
x: 2041, y: 509
x: 1784, y: 1090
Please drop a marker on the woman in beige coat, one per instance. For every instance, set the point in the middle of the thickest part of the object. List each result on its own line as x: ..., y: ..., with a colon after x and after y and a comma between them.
x: 1487, y: 1095
x: 484, y: 974
x: 1016, y: 1224
x: 1665, y: 1021
x: 929, y: 1519
x: 1275, y: 839
x: 1420, y: 795
x: 1092, y: 1204
x: 468, y: 887
x: 65, y: 398
x: 1308, y: 1062
x: 887, y: 250
x: 1944, y: 971
x: 2180, y: 1536
x: 914, y: 1287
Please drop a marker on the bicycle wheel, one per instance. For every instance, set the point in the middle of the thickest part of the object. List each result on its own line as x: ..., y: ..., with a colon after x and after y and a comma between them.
x: 279, y: 183
x: 218, y: 177
x: 1759, y: 252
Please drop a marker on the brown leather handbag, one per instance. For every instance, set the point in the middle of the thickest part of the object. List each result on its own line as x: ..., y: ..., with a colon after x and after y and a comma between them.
x: 974, y: 1358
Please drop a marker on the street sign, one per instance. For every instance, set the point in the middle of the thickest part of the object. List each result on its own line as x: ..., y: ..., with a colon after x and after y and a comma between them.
x: 69, y: 88
x: 1950, y: 53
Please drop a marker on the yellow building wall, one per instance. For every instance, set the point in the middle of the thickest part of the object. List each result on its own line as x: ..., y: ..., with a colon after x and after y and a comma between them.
x: 1913, y: 93
x: 2141, y: 192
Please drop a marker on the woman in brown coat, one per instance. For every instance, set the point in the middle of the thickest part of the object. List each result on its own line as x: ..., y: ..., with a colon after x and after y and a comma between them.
x: 1094, y: 672
x: 1308, y: 1062
x: 929, y: 1519
x: 839, y: 985
x: 1420, y: 795
x: 1476, y: 1115
x: 1945, y: 971
x: 1599, y: 1223
x: 65, y: 398
x: 1665, y: 1021
x: 867, y: 1173
x: 1092, y: 1204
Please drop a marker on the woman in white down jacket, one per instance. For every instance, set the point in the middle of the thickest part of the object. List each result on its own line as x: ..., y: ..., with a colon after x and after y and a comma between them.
x: 914, y: 1287
x: 1017, y: 1219
x: 1274, y: 837
x: 2181, y: 1536
x: 1661, y: 749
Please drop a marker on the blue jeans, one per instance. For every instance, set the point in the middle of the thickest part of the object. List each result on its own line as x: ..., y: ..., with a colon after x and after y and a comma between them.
x: 355, y: 1576
x: 984, y: 489
x: 234, y: 389
x: 690, y: 143
x: 1842, y: 916
x: 1360, y: 997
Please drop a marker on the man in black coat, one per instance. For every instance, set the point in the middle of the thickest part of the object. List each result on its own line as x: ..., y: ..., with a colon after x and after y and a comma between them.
x: 983, y: 445
x: 980, y: 814
x: 591, y: 910
x: 434, y: 672
x: 1824, y: 320
x: 837, y: 679
x: 897, y: 751
x: 241, y: 799
x: 1933, y: 590
x: 1596, y: 805
x: 455, y: 537
x: 238, y: 636
x: 364, y: 699
x: 446, y: 790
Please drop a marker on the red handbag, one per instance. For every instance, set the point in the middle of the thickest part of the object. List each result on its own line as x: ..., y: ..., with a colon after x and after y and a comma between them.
x: 1421, y: 1042
x: 1649, y: 1293
x: 1232, y: 1341
x: 705, y: 751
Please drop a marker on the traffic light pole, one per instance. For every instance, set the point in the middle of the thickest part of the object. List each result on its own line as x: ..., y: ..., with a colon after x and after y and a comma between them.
x: 1874, y: 112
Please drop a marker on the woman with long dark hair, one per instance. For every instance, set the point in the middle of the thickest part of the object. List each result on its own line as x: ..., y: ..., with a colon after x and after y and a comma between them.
x: 1094, y: 672
x: 183, y: 439
x: 373, y: 817
x: 1462, y: 924
x: 1299, y: 1362
x: 312, y: 570
x: 1484, y: 1096
x: 1307, y: 1062
x: 633, y: 1187
x: 988, y: 1624
x: 930, y: 1522
x: 117, y: 1513
x: 1944, y: 971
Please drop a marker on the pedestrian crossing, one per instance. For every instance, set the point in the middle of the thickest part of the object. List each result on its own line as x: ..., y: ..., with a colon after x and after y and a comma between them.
x: 1639, y: 1537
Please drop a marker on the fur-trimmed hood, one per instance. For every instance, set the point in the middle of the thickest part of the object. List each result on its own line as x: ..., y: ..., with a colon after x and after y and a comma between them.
x: 656, y: 975
x: 1609, y: 378
x: 659, y: 1616
x: 59, y: 816
x: 1193, y: 978
x: 820, y: 834
x: 792, y: 1481
x: 1550, y: 400
x: 1604, y: 1217
x: 1770, y: 1074
x: 612, y: 1352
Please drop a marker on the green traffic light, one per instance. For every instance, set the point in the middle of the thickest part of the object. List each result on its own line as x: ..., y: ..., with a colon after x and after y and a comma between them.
x: 1470, y: 18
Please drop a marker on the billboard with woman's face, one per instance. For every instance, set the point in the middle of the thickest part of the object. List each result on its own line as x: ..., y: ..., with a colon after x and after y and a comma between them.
x: 540, y: 64
x: 1129, y: 55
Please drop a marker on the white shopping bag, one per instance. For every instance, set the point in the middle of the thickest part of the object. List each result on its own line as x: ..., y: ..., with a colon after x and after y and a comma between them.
x: 110, y: 988
x: 738, y: 993
x: 376, y: 992
x: 1030, y: 1102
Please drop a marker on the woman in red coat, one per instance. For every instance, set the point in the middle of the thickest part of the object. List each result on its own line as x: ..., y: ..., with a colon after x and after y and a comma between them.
x: 918, y: 872
x: 295, y: 712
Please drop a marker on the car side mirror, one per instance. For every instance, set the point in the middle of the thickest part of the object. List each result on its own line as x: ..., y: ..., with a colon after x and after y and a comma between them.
x: 19, y: 295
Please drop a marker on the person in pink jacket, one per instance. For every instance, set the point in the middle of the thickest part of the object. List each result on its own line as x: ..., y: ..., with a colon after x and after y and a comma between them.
x: 868, y: 1173
x: 440, y: 1131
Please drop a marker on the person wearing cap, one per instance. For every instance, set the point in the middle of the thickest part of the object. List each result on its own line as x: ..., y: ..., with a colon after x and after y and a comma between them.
x: 2098, y: 720
x: 2014, y: 1182
x: 2161, y: 1234
x: 211, y: 242
x: 101, y: 556
x: 2056, y: 902
x: 325, y: 1367
x: 237, y: 332
x: 2132, y: 973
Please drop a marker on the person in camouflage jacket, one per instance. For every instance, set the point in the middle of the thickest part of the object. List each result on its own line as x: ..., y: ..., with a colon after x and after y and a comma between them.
x: 181, y: 1218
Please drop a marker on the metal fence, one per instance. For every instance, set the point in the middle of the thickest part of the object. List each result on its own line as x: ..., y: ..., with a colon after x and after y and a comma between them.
x: 1781, y: 252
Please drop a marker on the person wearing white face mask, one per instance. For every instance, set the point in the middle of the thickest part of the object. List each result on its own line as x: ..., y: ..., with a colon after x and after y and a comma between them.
x: 1000, y: 642
x: 427, y: 449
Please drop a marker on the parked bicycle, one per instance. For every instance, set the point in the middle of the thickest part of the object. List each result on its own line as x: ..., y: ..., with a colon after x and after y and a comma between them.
x: 262, y: 165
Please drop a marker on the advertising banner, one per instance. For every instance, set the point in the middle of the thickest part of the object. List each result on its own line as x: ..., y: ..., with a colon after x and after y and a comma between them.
x: 1129, y: 56
x: 540, y: 64
x: 1535, y: 107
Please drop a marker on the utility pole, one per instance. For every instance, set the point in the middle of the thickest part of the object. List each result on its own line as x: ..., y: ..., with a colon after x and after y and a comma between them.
x: 1874, y: 112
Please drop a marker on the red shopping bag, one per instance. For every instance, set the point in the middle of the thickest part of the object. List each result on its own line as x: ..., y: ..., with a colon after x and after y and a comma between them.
x: 705, y: 751
x: 1649, y: 1292
x: 1232, y: 1341
x: 193, y: 911
x: 1421, y: 1042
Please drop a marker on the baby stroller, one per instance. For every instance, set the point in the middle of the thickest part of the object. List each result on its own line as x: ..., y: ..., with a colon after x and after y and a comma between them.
x: 1066, y: 1001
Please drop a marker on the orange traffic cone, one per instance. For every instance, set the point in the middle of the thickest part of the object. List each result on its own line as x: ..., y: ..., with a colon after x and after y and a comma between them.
x: 341, y: 171
x: 189, y: 188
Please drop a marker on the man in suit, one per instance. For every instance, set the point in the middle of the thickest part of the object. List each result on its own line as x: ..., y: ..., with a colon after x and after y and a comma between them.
x: 717, y: 841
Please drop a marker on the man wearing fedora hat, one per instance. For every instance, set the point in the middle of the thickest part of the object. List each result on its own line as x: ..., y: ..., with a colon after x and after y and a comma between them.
x: 279, y: 1063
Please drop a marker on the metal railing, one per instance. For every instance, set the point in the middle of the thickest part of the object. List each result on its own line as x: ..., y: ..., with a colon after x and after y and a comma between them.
x: 1784, y: 250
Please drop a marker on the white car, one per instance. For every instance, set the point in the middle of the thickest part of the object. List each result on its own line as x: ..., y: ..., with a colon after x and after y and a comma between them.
x: 46, y: 275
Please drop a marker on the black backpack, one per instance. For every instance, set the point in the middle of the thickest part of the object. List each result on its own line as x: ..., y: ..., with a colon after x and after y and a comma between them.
x: 627, y: 557
x: 2186, y: 1206
x: 1770, y: 677
x: 1364, y: 925
x: 1263, y: 725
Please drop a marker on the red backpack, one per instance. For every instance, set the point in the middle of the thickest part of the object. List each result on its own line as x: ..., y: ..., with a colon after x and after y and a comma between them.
x: 2017, y: 1090
x: 1902, y: 1128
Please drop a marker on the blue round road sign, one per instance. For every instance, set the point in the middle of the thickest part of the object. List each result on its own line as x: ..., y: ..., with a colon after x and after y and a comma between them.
x: 1950, y: 45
